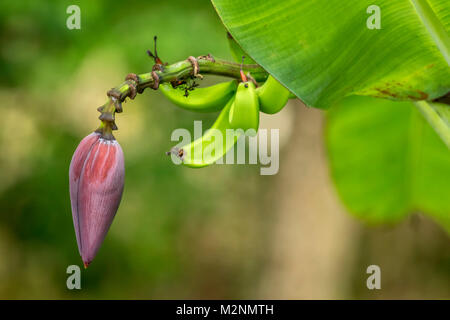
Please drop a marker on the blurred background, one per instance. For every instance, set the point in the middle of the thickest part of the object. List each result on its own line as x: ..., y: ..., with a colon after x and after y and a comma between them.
x: 219, y: 232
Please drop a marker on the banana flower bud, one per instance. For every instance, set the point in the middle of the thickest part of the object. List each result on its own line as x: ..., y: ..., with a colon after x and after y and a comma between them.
x: 96, y: 179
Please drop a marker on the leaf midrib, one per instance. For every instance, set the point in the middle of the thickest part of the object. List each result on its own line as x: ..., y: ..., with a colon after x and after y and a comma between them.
x: 412, y: 160
x: 434, y: 27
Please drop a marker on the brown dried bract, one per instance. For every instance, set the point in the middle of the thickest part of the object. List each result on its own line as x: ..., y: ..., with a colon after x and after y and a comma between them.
x: 155, y: 80
x: 196, y: 67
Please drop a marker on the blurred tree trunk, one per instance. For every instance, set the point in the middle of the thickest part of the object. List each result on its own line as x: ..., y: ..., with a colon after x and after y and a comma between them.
x: 312, y: 235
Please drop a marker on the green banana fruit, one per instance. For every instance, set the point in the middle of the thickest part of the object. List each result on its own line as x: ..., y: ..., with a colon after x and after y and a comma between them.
x: 244, y: 113
x: 203, y: 151
x: 208, y: 99
x: 272, y: 96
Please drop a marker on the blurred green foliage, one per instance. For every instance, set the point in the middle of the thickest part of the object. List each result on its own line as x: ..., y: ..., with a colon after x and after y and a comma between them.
x: 52, y: 81
x: 387, y: 161
x: 179, y: 232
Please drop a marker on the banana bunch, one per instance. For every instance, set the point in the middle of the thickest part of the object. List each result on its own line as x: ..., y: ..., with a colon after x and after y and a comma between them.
x: 239, y: 105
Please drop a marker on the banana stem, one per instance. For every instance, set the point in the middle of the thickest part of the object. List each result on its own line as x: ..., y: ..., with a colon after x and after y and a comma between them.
x: 191, y: 67
x: 183, y: 70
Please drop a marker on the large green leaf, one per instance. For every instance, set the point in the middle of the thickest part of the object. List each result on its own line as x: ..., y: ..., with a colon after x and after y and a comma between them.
x: 323, y: 51
x: 386, y: 161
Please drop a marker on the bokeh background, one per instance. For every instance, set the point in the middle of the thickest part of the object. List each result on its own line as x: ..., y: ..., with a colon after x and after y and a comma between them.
x: 219, y: 232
